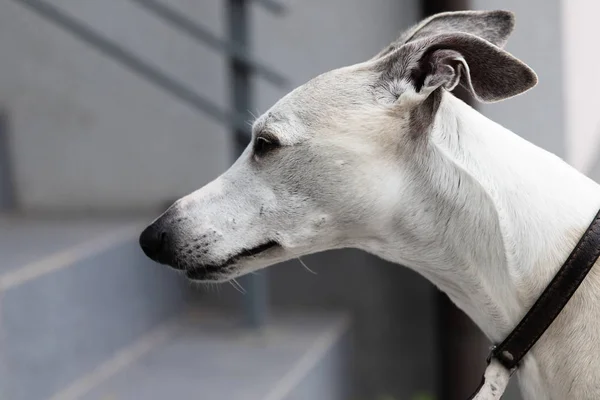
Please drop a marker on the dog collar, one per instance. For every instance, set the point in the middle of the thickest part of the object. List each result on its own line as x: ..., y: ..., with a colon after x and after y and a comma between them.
x: 504, y: 358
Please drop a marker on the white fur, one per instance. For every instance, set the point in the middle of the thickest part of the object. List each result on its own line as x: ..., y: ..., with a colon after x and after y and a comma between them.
x: 542, y: 208
x: 483, y: 214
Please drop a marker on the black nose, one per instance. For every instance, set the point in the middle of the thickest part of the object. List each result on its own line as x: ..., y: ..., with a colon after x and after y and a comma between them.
x: 154, y: 241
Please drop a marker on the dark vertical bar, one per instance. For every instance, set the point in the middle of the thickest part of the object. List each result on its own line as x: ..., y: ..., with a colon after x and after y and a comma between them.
x: 461, y: 345
x: 255, y: 300
x: 7, y: 194
x: 462, y: 351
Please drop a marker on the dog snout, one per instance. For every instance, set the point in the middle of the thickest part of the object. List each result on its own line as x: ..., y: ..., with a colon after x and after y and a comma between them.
x: 155, y: 242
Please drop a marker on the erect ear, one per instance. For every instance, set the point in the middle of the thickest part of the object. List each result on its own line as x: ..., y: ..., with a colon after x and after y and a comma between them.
x: 443, y: 61
x: 493, y: 26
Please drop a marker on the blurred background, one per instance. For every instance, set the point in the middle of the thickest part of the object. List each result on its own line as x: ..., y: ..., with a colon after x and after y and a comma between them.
x: 112, y: 109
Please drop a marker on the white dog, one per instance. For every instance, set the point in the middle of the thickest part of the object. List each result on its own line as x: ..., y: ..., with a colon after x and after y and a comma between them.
x: 381, y: 156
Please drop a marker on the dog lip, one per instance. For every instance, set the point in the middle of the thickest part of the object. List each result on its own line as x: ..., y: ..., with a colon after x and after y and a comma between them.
x: 204, y: 271
x: 258, y: 249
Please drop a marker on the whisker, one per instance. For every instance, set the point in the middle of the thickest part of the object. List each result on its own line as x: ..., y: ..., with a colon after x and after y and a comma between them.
x: 254, y: 118
x: 237, y: 286
x: 305, y: 266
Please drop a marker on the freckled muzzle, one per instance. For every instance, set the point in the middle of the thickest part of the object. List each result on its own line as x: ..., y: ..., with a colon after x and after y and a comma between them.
x: 165, y: 242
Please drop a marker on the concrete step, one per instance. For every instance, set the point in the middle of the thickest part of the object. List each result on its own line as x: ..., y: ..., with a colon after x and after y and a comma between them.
x: 209, y: 356
x: 72, y: 292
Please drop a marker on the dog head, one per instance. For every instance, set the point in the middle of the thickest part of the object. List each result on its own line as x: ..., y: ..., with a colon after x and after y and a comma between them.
x: 330, y: 159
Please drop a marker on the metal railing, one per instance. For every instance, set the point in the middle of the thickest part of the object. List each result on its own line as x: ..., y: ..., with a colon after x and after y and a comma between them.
x: 242, y: 67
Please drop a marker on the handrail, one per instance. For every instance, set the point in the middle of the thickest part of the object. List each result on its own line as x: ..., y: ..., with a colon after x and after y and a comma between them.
x: 242, y: 65
x: 151, y: 73
x: 188, y: 26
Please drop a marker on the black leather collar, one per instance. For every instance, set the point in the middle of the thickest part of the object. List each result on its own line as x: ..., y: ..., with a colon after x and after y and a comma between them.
x: 511, y: 351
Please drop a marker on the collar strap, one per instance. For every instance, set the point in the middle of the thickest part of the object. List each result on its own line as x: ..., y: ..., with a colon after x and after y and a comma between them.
x: 511, y: 351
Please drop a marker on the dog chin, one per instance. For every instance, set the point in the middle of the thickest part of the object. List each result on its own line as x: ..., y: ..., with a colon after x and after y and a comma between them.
x: 209, y: 275
x: 235, y: 266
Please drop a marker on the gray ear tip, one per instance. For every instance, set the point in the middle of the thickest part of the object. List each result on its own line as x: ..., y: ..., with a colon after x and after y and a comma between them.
x: 506, y: 15
x: 503, y: 19
x: 532, y: 79
x: 528, y: 81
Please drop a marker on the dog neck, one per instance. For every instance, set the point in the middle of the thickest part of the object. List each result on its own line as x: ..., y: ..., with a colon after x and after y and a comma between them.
x: 508, y: 214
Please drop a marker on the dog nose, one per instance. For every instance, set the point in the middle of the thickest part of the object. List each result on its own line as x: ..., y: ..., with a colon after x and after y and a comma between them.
x: 154, y: 242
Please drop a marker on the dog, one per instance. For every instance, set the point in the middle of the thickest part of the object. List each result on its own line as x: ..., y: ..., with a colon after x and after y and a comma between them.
x: 382, y: 157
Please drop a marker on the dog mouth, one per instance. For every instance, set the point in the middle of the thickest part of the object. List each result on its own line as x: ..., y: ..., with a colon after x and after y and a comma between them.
x: 220, y: 271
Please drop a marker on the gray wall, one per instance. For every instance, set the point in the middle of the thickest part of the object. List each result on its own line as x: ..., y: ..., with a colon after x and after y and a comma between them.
x: 317, y: 36
x: 539, y: 115
x: 87, y: 133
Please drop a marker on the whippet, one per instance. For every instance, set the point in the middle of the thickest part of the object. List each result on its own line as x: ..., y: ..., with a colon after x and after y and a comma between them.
x: 381, y: 156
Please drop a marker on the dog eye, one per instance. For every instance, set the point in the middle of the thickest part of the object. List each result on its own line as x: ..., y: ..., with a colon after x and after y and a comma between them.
x: 262, y: 145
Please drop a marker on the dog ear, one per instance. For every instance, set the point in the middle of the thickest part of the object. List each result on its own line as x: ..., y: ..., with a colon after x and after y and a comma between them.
x: 443, y: 61
x: 493, y: 26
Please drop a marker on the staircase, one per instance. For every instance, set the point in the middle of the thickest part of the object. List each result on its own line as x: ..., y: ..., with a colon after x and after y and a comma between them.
x: 83, y: 313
